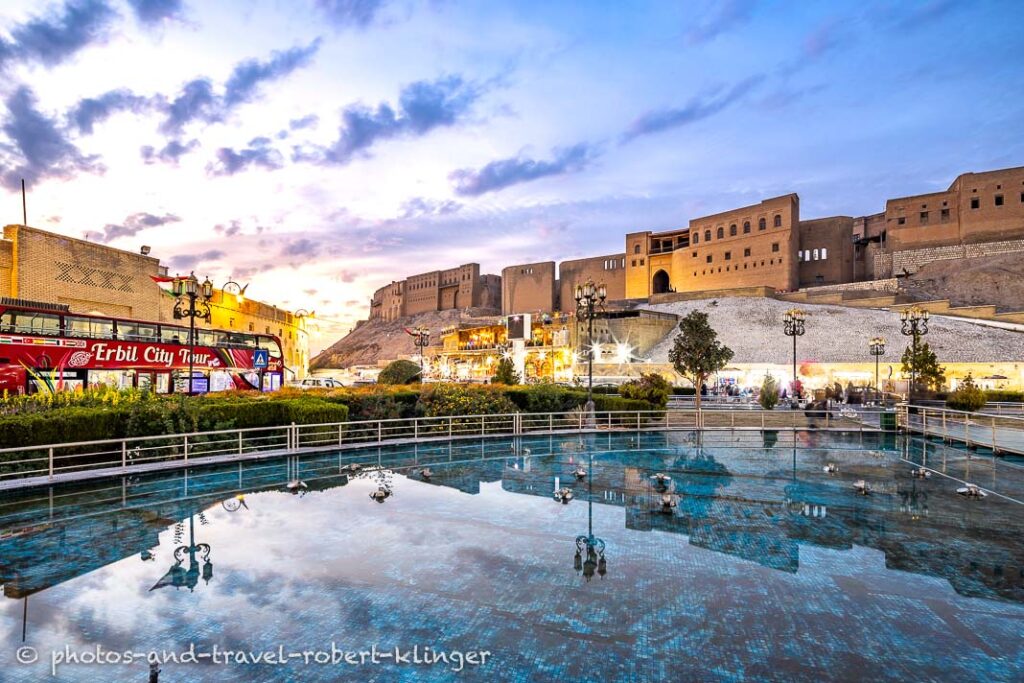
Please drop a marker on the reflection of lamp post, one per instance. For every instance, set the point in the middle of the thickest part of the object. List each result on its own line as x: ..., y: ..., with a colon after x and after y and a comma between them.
x: 594, y: 546
x: 177, y: 575
x: 589, y: 305
x: 188, y: 291
x: 793, y: 326
x: 877, y: 348
x: 915, y: 324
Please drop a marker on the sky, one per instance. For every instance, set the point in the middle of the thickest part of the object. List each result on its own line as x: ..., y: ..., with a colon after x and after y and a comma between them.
x: 319, y: 149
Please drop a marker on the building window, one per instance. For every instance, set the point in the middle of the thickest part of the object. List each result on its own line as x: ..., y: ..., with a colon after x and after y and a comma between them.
x: 1022, y: 197
x: 707, y: 235
x: 696, y: 236
x: 746, y: 252
x: 641, y: 262
x: 975, y: 203
x: 944, y: 215
x: 815, y: 255
x: 694, y: 254
x: 252, y: 327
x: 775, y: 247
x: 728, y: 256
x: 721, y: 232
x: 901, y: 220
x: 761, y: 224
x: 924, y: 218
x: 778, y: 221
x: 636, y: 249
x: 709, y: 258
x: 824, y: 253
x: 999, y: 200
x: 732, y: 230
x: 634, y: 263
x: 746, y: 227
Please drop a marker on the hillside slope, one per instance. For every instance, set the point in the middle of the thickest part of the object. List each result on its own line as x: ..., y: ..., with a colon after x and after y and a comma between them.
x: 377, y: 340
x: 992, y: 280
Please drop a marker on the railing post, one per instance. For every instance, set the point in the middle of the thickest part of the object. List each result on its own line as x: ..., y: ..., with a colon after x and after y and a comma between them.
x: 993, y: 436
x: 295, y: 437
x: 340, y: 432
x: 581, y: 420
x: 762, y: 419
x: 551, y: 422
x: 186, y: 448
x: 51, y: 463
x: 638, y: 420
x: 482, y: 429
x: 124, y: 454
x: 380, y: 431
x: 240, y: 449
x: 450, y: 421
x: 967, y: 430
x: 416, y: 428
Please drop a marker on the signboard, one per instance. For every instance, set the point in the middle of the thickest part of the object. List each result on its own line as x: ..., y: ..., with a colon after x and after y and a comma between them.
x: 519, y: 326
x: 260, y: 359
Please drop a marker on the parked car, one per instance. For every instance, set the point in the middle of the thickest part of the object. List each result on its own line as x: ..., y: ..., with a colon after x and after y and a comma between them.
x: 316, y: 383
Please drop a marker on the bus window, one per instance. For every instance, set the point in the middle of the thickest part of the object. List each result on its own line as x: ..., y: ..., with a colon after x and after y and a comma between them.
x: 133, y: 331
x: 271, y: 345
x: 94, y: 328
x: 173, y: 335
x: 28, y: 322
x: 238, y: 339
x: 210, y: 338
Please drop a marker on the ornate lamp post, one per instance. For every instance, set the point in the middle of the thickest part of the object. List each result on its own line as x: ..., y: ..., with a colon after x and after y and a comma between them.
x: 877, y: 348
x: 793, y: 326
x: 915, y: 325
x: 232, y: 287
x: 421, y: 340
x: 590, y: 300
x: 592, y: 545
x: 193, y: 301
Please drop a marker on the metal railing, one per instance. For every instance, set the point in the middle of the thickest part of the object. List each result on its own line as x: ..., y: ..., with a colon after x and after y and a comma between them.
x: 1001, y: 433
x: 68, y: 460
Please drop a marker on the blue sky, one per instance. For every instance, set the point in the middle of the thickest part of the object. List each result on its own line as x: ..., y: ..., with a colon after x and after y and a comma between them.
x: 321, y: 148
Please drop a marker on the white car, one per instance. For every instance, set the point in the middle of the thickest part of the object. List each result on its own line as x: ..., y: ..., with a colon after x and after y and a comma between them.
x: 316, y: 383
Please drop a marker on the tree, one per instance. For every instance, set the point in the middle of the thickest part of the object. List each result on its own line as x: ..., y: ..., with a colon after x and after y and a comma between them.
x: 769, y: 395
x: 505, y: 373
x: 967, y: 397
x: 925, y: 366
x: 696, y: 352
x: 651, y: 387
x: 399, y: 372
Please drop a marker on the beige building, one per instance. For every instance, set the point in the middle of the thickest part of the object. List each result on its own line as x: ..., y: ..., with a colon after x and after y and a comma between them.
x: 438, y: 290
x: 93, y: 278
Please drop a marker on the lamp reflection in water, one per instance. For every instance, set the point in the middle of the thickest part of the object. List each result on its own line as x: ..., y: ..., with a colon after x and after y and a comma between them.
x: 178, y: 575
x: 588, y: 543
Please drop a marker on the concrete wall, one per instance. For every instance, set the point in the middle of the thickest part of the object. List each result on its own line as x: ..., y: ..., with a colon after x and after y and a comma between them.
x: 825, y: 251
x: 528, y: 288
x: 608, y: 269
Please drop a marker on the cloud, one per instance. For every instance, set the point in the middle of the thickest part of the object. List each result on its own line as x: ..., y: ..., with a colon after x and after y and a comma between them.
x: 190, y: 261
x: 197, y: 100
x: 248, y: 75
x: 301, y: 247
x: 229, y: 230
x: 38, y: 149
x: 698, y: 108
x: 418, y: 206
x: 729, y: 15
x: 422, y: 107
x: 92, y: 110
x: 309, y: 121
x: 51, y: 39
x: 171, y: 152
x: 504, y: 173
x: 823, y: 39
x: 154, y: 11
x: 133, y: 224
x: 258, y: 153
x: 350, y: 13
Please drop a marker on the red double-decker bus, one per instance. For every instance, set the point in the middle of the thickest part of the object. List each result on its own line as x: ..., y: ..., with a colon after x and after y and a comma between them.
x: 46, y: 347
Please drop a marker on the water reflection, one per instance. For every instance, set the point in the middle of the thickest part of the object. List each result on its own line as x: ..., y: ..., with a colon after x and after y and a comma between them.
x: 593, y: 546
x: 198, y: 555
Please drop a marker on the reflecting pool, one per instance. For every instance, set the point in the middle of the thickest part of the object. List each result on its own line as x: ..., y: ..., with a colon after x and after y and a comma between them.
x: 746, y: 561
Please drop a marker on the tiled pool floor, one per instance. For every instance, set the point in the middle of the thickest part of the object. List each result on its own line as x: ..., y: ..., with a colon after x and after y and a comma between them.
x: 767, y: 569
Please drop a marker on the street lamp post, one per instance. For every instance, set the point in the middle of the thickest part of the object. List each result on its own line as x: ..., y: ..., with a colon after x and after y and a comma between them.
x: 877, y: 348
x: 590, y: 300
x: 914, y: 325
x: 421, y: 339
x: 793, y: 326
x: 193, y: 301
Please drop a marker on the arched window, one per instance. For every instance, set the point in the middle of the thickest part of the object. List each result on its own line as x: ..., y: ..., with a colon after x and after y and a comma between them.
x: 746, y: 227
x: 721, y: 232
x: 636, y: 249
x: 778, y: 221
x: 696, y: 237
x: 732, y: 230
x: 707, y: 235
x: 761, y: 224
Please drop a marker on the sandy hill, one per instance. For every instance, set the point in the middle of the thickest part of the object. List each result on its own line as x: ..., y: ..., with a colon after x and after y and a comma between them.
x: 376, y: 340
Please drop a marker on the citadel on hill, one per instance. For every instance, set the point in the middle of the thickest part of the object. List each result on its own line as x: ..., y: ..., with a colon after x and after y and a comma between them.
x: 764, y: 249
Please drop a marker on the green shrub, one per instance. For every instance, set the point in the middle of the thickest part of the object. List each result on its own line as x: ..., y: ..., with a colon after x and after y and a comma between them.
x: 769, y: 396
x: 967, y: 397
x: 457, y: 399
x: 649, y: 387
x: 684, y: 391
x: 399, y: 372
x: 1004, y: 395
x: 506, y: 373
